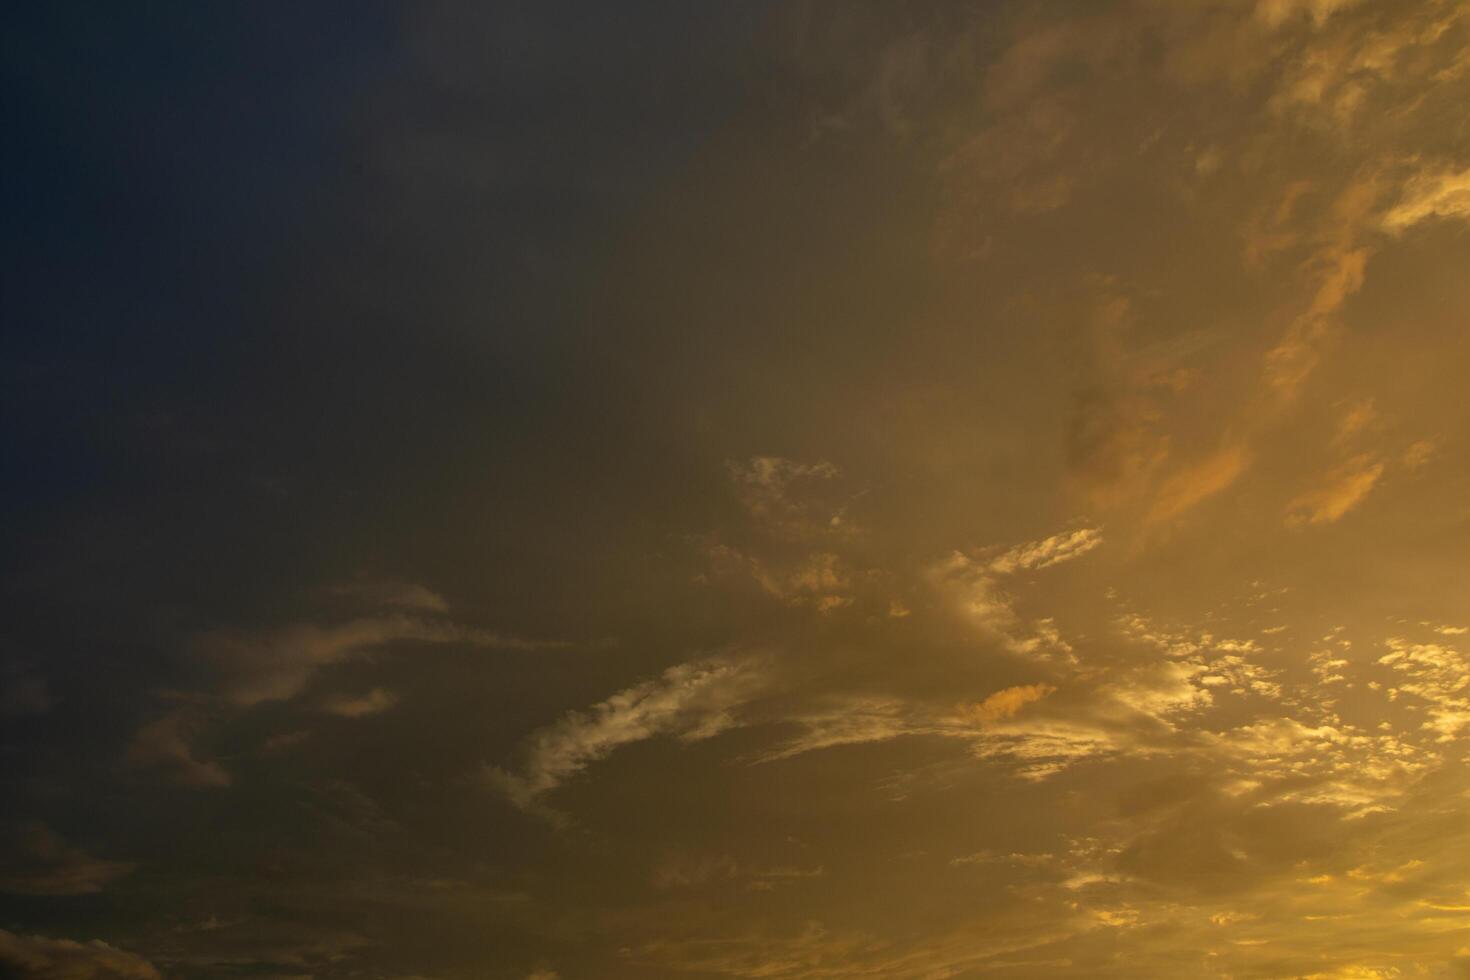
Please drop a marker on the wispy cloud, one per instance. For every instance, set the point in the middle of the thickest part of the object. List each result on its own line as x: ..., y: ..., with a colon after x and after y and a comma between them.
x: 975, y: 585
x: 1048, y: 552
x: 1191, y: 486
x: 788, y: 497
x: 1345, y: 488
x: 256, y: 666
x: 1445, y: 194
x: 357, y: 706
x: 35, y: 860
x: 40, y: 958
x: 409, y: 596
x: 166, y: 744
x: 690, y: 702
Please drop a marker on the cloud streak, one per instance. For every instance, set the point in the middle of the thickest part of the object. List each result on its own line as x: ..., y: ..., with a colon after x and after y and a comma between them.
x: 691, y: 702
x: 39, y: 958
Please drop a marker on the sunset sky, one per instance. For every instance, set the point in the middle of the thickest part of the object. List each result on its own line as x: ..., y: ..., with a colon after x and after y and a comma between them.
x: 796, y: 491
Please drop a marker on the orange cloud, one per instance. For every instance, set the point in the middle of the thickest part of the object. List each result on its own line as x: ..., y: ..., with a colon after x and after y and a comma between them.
x: 1345, y: 489
x: 1007, y: 703
x: 1189, y: 487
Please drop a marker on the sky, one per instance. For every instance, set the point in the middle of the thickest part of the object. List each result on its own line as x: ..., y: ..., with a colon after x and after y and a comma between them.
x: 783, y: 490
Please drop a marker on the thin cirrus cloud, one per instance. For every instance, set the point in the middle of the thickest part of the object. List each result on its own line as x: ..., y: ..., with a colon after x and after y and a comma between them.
x: 690, y: 701
x: 249, y: 668
x: 253, y: 667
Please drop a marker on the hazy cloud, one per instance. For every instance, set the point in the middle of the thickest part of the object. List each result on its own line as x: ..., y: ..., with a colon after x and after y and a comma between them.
x: 398, y: 595
x: 787, y: 497
x: 275, y: 665
x: 37, y: 861
x: 1345, y: 488
x: 38, y: 958
x: 357, y: 706
x: 1191, y: 486
x: 166, y: 744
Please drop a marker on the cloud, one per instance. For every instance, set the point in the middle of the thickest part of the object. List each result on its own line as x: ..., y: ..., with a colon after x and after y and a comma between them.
x: 283, y: 741
x: 951, y: 382
x: 785, y: 496
x: 349, y: 706
x: 1297, y: 355
x: 1429, y: 195
x: 276, y: 665
x: 1132, y: 711
x: 819, y: 953
x: 1440, y: 676
x: 250, y: 944
x: 690, y: 701
x: 1418, y: 454
x: 247, y: 668
x: 1334, y: 273
x: 1040, y: 860
x: 974, y: 586
x: 699, y: 699
x: 351, y: 812
x: 1160, y: 690
x: 1115, y: 444
x: 820, y: 579
x: 1275, y: 13
x: 35, y: 860
x: 1007, y: 703
x: 1279, y: 12
x: 682, y: 870
x: 38, y: 958
x: 394, y: 595
x: 1359, y: 417
x: 166, y: 744
x: 1048, y: 552
x: 1193, y: 485
x: 1285, y: 760
x: 834, y: 720
x: 1346, y: 487
x: 252, y: 667
x: 1334, y: 75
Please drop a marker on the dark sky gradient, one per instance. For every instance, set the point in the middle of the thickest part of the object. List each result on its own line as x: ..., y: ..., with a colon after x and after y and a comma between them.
x: 786, y: 490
